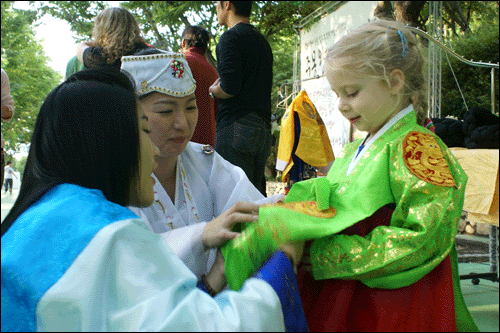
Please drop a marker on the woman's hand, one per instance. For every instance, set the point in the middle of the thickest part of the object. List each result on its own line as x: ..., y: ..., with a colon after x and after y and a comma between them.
x: 294, y: 252
x: 218, y: 231
x: 305, y: 262
x: 216, y: 278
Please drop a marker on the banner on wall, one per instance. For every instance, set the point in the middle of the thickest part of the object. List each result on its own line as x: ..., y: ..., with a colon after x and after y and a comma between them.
x: 314, y: 43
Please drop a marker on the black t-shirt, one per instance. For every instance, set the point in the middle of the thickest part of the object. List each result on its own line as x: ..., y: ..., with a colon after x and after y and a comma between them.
x: 93, y: 59
x: 245, y: 67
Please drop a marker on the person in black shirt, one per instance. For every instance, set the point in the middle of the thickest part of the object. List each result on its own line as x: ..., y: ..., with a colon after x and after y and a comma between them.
x: 115, y: 34
x: 245, y: 68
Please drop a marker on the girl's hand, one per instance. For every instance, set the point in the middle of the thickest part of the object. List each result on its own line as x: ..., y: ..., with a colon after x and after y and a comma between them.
x: 218, y: 231
x: 216, y: 278
x: 294, y: 252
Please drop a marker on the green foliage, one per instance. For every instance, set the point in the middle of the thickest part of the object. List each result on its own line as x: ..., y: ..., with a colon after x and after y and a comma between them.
x: 479, y: 43
x: 31, y: 79
x: 80, y: 14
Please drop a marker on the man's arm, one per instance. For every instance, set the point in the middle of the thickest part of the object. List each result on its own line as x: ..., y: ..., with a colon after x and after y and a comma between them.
x: 217, y: 91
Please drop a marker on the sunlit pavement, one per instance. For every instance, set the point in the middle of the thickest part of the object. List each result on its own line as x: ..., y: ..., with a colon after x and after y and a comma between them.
x: 8, y: 200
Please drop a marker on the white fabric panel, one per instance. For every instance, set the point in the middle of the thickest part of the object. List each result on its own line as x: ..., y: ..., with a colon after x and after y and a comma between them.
x: 128, y: 279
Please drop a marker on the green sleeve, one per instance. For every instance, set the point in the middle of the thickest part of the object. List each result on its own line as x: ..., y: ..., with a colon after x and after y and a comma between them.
x: 278, y: 224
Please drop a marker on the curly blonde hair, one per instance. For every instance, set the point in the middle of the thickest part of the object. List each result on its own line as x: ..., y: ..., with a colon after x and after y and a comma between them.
x: 376, y: 49
x: 116, y: 31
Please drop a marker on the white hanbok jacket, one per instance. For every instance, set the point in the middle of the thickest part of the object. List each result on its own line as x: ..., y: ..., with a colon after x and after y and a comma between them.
x: 207, y: 185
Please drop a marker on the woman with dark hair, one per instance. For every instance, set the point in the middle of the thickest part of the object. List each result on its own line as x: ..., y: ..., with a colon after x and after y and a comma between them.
x: 194, y: 45
x: 74, y: 258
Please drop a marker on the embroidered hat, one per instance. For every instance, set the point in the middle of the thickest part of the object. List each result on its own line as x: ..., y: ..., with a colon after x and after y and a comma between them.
x: 165, y: 72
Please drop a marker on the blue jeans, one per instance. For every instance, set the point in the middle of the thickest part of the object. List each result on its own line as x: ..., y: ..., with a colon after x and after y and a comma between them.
x: 247, y: 145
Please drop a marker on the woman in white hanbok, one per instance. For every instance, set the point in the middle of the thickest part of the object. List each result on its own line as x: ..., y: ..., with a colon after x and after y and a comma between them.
x: 196, y: 189
x: 74, y: 258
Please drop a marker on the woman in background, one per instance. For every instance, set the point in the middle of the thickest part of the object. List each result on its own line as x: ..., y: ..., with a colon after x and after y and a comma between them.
x: 116, y: 33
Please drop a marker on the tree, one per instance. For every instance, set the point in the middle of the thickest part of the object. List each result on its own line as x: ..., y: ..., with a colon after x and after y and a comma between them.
x: 471, y: 29
x: 31, y: 79
x: 481, y: 43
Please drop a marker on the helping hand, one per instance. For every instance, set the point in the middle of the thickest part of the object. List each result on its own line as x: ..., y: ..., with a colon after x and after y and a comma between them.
x: 218, y: 231
x: 294, y: 252
x: 305, y: 262
x: 216, y: 278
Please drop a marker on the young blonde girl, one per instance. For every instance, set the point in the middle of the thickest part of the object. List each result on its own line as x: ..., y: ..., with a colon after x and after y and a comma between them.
x: 383, y: 221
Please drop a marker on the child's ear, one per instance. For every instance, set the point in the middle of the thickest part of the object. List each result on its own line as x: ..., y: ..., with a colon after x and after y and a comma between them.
x: 397, y: 79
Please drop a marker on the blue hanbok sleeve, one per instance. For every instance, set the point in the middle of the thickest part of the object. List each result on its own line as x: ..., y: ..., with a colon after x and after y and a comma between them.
x: 278, y: 272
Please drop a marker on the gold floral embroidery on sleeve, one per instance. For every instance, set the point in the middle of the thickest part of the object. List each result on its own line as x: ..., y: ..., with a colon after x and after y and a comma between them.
x: 425, y: 159
x: 306, y: 207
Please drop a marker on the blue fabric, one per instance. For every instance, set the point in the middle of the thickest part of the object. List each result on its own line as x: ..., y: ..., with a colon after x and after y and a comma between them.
x: 360, y: 148
x: 200, y: 285
x: 278, y: 272
x: 43, y: 242
x: 300, y: 170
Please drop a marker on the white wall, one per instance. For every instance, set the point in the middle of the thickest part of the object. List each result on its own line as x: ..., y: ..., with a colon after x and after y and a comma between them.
x: 313, y: 46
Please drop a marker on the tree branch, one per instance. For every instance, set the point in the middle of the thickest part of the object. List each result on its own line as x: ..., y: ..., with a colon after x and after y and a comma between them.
x: 151, y: 22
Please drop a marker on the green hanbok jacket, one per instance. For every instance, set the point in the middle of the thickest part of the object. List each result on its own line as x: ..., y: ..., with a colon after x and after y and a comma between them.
x: 409, y: 167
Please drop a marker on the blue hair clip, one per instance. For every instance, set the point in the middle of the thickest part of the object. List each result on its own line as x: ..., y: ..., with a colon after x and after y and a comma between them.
x: 404, y: 44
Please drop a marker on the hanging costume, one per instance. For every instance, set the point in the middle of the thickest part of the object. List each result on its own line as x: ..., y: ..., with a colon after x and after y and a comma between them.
x: 383, y: 223
x: 102, y: 270
x: 304, y: 142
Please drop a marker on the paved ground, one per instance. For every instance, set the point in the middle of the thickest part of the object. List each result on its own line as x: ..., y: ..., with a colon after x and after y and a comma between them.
x: 482, y: 299
x: 7, y: 201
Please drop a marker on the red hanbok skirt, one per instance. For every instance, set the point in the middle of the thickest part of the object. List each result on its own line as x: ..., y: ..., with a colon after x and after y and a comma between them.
x: 350, y: 306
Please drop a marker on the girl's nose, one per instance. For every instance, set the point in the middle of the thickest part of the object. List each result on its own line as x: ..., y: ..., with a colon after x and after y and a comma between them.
x: 343, y: 106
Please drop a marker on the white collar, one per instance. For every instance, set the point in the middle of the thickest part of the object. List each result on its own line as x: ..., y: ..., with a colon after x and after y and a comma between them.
x: 370, y: 139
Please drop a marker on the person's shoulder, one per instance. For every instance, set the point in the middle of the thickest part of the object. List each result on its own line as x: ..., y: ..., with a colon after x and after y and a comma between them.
x: 199, y: 158
x: 139, y: 46
x: 199, y: 150
x: 72, y: 195
x: 426, y: 156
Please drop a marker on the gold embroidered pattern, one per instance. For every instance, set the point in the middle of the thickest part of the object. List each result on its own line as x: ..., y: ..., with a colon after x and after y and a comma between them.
x: 306, y: 207
x: 309, y: 110
x: 424, y: 158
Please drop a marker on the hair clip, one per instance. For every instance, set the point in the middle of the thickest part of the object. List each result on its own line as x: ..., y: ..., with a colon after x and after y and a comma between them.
x: 404, y: 44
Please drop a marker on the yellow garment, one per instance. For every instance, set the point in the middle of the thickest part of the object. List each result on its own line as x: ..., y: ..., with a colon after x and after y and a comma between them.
x: 314, y: 146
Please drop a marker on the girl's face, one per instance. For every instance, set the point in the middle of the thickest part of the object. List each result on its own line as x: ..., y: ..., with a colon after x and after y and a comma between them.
x: 142, y: 194
x: 172, y: 121
x: 366, y: 102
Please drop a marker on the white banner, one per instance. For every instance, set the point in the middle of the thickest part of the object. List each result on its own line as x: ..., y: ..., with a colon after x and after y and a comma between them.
x: 314, y: 43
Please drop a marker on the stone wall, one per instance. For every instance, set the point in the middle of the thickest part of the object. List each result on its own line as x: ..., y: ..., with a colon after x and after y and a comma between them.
x: 472, y: 228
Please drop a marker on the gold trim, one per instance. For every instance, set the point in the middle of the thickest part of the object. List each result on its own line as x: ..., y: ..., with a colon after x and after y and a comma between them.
x: 425, y: 159
x: 306, y: 207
